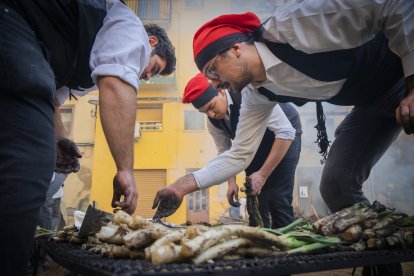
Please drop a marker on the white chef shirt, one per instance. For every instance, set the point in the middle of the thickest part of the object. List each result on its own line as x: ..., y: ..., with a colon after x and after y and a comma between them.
x: 320, y: 26
x: 121, y: 49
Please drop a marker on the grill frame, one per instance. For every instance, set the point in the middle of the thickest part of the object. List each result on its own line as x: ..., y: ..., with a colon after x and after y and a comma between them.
x: 86, y: 263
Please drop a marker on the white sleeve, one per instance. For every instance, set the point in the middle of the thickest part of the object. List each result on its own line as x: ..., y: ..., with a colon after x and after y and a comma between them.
x: 254, y: 115
x: 222, y: 141
x: 325, y: 25
x: 121, y: 47
x: 280, y: 124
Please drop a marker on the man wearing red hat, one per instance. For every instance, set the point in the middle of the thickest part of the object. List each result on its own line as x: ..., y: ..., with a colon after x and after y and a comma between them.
x: 274, y: 164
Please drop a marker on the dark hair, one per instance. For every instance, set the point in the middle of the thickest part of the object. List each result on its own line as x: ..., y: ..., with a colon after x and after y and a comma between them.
x: 164, y: 48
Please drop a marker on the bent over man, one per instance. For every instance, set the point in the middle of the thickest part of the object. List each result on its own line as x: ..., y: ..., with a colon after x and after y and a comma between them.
x: 47, y: 45
x: 274, y: 164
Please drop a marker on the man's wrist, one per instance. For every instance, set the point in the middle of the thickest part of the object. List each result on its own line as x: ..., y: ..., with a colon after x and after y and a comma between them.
x: 263, y: 174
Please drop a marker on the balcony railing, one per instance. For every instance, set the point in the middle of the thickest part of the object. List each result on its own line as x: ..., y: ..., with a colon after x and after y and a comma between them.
x: 151, y: 126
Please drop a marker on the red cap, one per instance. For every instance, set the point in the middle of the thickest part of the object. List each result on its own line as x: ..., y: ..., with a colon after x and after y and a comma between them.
x: 199, y: 91
x: 220, y: 34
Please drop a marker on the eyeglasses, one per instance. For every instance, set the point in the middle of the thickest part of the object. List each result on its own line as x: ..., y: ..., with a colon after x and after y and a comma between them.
x: 211, y: 73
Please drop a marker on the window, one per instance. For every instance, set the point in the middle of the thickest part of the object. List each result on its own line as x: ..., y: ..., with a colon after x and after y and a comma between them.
x: 203, y: 200
x: 262, y: 8
x: 151, y: 11
x: 149, y: 116
x: 67, y: 118
x: 194, y: 120
x: 197, y: 201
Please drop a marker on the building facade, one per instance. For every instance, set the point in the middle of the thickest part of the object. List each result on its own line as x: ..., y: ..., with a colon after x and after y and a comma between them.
x: 171, y: 138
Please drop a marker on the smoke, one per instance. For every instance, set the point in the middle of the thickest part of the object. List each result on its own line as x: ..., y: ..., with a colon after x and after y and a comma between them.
x: 393, y: 176
x: 391, y: 180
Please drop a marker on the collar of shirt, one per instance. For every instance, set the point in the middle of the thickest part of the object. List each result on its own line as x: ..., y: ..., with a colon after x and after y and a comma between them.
x: 269, y: 61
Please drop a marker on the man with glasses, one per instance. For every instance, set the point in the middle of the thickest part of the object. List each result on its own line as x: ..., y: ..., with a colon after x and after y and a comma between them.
x: 66, y: 45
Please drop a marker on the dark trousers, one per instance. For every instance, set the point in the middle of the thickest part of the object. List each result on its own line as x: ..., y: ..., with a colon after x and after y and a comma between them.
x: 275, y: 199
x: 27, y: 142
x: 361, y: 140
x: 49, y: 214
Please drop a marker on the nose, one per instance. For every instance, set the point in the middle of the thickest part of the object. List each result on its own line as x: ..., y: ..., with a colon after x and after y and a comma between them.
x: 147, y: 75
x: 144, y: 76
x: 150, y: 75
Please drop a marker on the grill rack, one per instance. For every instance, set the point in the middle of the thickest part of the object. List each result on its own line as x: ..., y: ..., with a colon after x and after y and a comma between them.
x: 86, y: 263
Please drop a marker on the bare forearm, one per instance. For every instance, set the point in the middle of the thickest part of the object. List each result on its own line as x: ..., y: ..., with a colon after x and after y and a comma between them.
x: 277, y: 153
x: 185, y: 185
x: 117, y: 103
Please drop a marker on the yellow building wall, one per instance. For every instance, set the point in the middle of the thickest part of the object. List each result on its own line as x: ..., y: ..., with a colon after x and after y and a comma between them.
x: 77, y: 186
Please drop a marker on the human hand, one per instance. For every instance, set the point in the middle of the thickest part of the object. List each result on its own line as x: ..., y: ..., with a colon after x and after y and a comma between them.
x: 124, y: 185
x: 257, y: 181
x: 167, y: 201
x: 233, y: 191
x: 67, y: 157
x: 405, y: 112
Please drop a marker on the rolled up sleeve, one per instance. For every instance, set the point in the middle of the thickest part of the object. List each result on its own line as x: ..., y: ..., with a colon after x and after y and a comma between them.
x: 121, y: 47
x: 280, y: 125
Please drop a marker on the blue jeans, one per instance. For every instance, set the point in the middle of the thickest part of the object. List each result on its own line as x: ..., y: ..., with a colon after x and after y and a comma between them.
x: 275, y: 199
x: 27, y: 140
x: 360, y: 141
x: 49, y: 215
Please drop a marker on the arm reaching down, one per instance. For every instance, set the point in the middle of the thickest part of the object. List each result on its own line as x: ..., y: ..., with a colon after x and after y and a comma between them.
x: 284, y: 136
x: 277, y: 153
x: 169, y: 199
x: 117, y: 103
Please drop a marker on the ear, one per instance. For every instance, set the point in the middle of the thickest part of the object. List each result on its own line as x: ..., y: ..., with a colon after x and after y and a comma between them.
x: 153, y: 41
x: 236, y: 49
